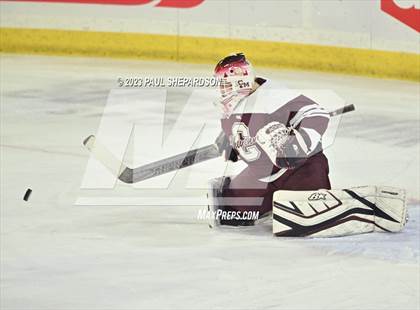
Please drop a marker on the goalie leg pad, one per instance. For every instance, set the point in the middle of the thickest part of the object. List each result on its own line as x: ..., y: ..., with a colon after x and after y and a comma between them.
x: 215, y: 199
x: 228, y: 208
x: 332, y: 213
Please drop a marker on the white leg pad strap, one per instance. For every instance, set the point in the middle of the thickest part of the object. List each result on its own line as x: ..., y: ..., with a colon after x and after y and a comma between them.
x: 332, y: 213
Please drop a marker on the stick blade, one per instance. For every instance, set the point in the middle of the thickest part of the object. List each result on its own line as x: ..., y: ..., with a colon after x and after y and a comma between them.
x: 101, y: 153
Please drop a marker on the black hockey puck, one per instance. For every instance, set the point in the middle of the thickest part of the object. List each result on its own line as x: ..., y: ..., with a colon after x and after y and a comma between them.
x: 27, y: 194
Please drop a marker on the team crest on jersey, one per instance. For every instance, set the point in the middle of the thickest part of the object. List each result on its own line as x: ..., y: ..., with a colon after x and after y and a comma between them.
x: 317, y: 196
x: 240, y: 141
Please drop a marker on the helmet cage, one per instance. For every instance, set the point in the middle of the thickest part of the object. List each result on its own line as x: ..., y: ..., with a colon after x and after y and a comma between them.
x: 236, y: 76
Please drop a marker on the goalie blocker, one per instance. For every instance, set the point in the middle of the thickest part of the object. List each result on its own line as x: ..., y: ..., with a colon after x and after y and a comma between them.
x: 333, y: 213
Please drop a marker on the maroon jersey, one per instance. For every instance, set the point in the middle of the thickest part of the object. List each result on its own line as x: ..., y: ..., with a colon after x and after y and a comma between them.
x: 267, y: 105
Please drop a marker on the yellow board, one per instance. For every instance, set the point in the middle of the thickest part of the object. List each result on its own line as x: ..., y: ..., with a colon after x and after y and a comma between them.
x: 208, y: 50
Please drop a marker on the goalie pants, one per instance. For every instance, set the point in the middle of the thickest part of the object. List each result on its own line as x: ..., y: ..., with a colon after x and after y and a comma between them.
x: 312, y: 175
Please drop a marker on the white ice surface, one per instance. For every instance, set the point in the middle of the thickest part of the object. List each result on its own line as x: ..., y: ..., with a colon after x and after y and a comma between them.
x: 58, y: 255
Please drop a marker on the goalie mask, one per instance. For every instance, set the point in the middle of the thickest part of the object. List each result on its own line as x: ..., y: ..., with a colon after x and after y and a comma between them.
x: 236, y: 78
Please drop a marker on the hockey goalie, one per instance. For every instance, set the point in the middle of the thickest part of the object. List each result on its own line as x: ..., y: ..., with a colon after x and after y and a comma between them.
x: 287, y: 172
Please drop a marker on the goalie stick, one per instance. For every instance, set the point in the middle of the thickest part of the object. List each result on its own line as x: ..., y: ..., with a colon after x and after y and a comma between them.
x: 186, y: 159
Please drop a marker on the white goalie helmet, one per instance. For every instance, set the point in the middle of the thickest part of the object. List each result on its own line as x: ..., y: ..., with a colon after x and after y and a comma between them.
x: 236, y: 80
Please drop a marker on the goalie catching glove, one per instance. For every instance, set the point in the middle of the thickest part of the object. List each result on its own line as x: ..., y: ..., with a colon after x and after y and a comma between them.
x: 284, y: 146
